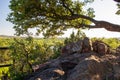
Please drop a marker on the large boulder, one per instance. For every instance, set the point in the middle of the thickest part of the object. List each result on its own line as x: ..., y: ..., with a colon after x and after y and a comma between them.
x: 96, y: 68
x: 88, y: 66
x: 100, y: 47
x: 49, y: 74
x: 116, y: 68
x: 88, y: 69
x: 118, y: 49
x: 79, y: 62
x: 81, y: 46
x: 74, y: 47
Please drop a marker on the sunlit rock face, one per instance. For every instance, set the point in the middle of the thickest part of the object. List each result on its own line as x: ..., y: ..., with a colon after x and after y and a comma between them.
x: 74, y: 47
x: 100, y: 47
x: 81, y: 60
x: 81, y: 46
x: 87, y: 45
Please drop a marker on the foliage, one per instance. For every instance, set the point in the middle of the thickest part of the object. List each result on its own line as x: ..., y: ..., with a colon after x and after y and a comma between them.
x: 112, y: 42
x: 50, y: 17
x: 21, y: 52
x: 4, y: 71
x: 118, y: 12
x: 37, y: 50
x: 75, y: 37
x: 27, y: 52
x: 5, y: 42
x: 5, y: 56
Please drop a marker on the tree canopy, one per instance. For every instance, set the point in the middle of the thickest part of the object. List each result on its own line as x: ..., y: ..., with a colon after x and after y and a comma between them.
x: 53, y: 17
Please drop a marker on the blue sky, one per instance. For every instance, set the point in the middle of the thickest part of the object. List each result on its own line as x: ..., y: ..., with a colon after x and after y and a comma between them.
x: 5, y: 26
x: 104, y: 10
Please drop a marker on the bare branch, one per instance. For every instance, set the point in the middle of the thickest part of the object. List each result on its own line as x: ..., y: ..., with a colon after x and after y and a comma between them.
x: 108, y: 26
x: 84, y: 17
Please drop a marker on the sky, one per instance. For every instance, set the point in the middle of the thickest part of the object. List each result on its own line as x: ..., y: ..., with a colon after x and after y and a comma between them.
x: 104, y: 10
x: 5, y: 26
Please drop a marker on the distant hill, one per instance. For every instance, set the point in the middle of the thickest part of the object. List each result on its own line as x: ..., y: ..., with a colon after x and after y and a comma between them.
x: 7, y: 36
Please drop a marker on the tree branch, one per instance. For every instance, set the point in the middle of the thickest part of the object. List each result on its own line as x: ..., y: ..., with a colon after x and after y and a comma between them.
x: 98, y: 24
x: 66, y: 7
x: 75, y: 16
x: 108, y: 26
x: 102, y: 24
x: 84, y: 17
x: 85, y: 25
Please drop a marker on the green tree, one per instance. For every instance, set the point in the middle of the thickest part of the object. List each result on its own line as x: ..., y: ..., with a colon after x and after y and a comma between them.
x: 46, y: 15
x: 118, y: 5
x: 27, y: 52
x: 75, y: 37
x: 52, y: 17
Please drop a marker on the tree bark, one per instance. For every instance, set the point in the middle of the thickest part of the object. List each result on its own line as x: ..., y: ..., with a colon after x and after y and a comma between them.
x: 97, y: 24
x: 108, y: 26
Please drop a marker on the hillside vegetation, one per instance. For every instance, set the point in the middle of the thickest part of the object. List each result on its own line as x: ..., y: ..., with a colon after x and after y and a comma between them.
x: 23, y: 53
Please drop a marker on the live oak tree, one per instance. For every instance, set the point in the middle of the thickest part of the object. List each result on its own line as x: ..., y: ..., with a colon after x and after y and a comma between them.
x: 53, y: 17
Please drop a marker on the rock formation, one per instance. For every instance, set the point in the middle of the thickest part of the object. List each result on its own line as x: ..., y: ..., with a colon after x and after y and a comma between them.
x: 87, y: 45
x: 81, y: 60
x: 100, y: 47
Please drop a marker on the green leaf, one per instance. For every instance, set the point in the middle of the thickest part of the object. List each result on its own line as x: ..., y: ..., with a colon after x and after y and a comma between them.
x: 118, y: 12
